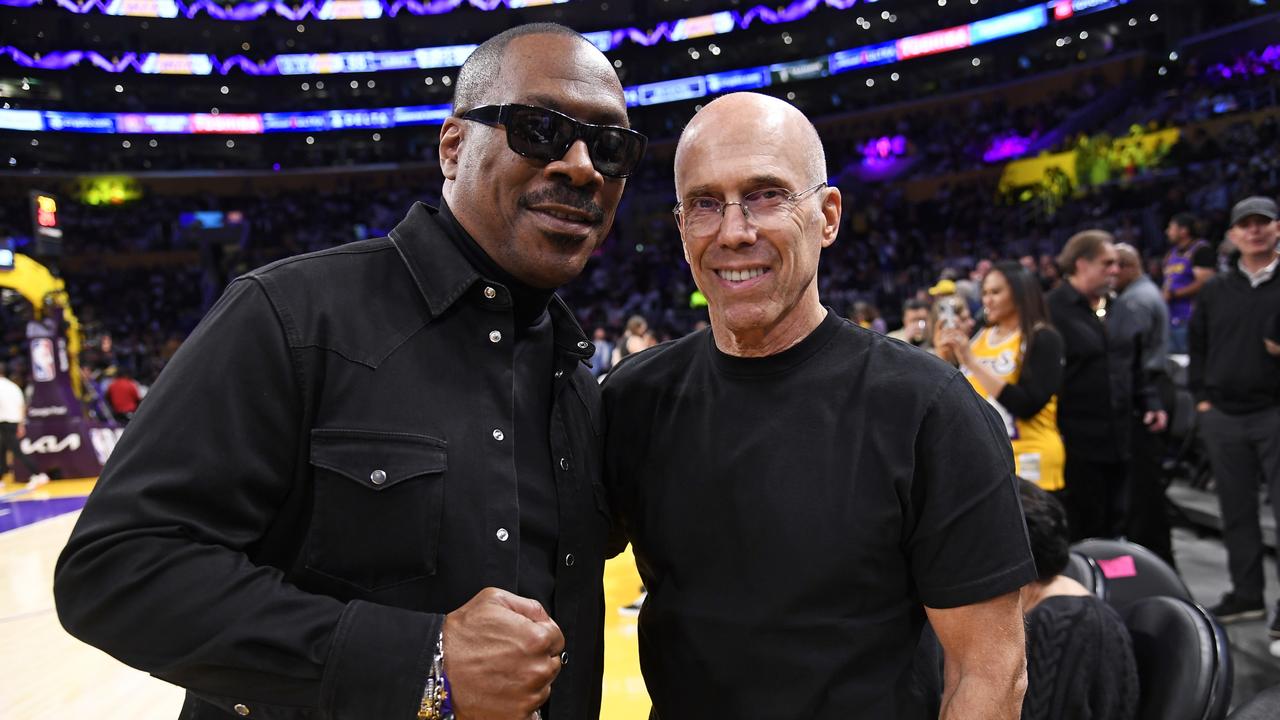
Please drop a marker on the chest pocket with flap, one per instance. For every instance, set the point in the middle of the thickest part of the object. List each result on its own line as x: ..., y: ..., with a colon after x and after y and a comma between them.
x: 379, y: 498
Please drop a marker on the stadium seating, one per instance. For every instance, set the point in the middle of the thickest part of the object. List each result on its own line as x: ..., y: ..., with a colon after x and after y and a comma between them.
x: 1184, y: 663
x: 1086, y: 571
x: 1133, y: 572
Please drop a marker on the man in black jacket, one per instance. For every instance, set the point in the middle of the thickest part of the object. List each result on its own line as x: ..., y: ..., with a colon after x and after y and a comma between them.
x: 376, y: 467
x: 1100, y: 382
x: 1235, y: 377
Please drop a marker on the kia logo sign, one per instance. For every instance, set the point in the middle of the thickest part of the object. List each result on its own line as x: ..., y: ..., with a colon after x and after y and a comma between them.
x: 51, y: 444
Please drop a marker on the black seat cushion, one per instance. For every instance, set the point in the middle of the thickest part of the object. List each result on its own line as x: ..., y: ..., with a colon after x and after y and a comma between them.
x: 1184, y: 665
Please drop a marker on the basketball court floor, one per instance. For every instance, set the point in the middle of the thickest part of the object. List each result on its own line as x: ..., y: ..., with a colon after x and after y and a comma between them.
x: 48, y: 675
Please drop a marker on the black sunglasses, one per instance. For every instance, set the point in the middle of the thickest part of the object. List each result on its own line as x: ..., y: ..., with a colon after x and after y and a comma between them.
x: 546, y: 135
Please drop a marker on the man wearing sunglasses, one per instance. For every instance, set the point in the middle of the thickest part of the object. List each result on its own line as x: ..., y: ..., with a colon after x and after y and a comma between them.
x: 396, y: 509
x: 806, y: 494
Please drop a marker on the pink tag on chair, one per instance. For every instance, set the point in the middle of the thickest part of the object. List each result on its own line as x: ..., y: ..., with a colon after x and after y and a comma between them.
x: 1118, y: 567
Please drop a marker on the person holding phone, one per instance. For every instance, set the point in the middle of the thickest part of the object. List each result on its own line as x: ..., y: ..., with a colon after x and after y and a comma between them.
x: 948, y: 313
x: 1015, y: 362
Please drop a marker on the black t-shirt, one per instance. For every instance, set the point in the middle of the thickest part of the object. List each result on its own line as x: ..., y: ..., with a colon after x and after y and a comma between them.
x: 792, y: 514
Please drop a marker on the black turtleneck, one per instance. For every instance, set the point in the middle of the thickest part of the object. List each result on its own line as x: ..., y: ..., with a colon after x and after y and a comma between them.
x: 529, y: 302
x: 533, y: 360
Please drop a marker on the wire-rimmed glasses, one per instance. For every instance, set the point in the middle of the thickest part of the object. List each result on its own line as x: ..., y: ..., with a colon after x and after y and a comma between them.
x: 702, y: 216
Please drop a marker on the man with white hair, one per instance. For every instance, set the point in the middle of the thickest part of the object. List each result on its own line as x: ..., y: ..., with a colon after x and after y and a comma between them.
x: 803, y: 494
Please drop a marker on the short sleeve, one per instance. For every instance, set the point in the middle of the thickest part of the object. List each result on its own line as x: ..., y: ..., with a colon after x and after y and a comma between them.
x: 968, y: 541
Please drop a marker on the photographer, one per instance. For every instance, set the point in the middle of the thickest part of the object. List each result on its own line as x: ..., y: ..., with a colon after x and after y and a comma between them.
x: 915, y: 323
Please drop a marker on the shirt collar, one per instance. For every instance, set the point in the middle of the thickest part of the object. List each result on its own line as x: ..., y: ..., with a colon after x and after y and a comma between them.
x: 443, y: 275
x: 1263, y: 275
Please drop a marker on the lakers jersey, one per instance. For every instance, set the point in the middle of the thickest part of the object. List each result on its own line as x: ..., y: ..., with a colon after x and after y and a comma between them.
x: 1037, y: 447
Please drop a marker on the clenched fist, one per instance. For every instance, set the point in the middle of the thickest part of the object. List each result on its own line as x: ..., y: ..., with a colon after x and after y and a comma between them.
x: 502, y: 652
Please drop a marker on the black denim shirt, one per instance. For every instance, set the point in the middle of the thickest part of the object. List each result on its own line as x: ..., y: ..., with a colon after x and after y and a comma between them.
x: 1102, y: 381
x: 316, y: 478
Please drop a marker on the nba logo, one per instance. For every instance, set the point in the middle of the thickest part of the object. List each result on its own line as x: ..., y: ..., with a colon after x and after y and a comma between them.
x: 42, y: 362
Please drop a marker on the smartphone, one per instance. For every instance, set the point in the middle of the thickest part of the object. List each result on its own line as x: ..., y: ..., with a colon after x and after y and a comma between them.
x: 948, y: 316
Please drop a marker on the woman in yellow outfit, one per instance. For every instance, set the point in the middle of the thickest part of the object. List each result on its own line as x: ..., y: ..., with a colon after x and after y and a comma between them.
x: 1015, y: 363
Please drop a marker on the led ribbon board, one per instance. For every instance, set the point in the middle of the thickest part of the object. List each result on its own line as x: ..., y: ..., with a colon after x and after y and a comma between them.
x: 428, y: 58
x: 657, y: 93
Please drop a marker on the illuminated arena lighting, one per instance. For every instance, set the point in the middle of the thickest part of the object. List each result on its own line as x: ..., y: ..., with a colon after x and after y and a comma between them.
x: 692, y: 28
x: 341, y: 9
x: 667, y: 91
x: 452, y: 56
x: 326, y: 10
x: 1252, y: 63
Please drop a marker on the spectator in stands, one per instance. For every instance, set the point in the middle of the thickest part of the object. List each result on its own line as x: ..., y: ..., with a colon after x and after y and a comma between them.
x: 1015, y: 363
x: 1097, y: 389
x: 1235, y: 377
x: 1139, y: 311
x: 602, y: 358
x: 791, y: 482
x: 635, y: 337
x: 122, y: 394
x: 945, y: 287
x: 1187, y: 267
x: 864, y: 314
x: 1050, y: 275
x: 949, y: 312
x: 13, y: 422
x: 1080, y: 661
x: 274, y: 530
x: 915, y: 323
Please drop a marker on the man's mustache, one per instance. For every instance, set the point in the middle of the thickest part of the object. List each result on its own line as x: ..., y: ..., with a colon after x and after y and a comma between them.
x: 563, y: 195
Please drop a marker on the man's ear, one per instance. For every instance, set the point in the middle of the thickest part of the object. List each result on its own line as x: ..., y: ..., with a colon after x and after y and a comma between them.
x: 451, y: 137
x: 832, y: 204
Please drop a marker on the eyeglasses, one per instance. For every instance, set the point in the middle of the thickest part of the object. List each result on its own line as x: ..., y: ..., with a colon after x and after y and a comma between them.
x: 765, y: 208
x: 546, y: 135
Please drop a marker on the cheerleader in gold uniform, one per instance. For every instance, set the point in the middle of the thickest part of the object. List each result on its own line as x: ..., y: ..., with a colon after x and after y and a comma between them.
x: 1015, y: 363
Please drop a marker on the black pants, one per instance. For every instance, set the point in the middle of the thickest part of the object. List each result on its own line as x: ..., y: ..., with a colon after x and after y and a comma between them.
x: 1148, y: 518
x: 1244, y: 450
x: 9, y: 443
x: 1094, y: 497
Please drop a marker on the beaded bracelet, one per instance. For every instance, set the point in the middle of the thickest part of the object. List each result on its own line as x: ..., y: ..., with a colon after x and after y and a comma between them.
x: 436, y: 697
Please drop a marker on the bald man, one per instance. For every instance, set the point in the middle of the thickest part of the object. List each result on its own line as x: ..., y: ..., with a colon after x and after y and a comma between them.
x: 394, y: 508
x: 803, y: 495
x: 1139, y: 312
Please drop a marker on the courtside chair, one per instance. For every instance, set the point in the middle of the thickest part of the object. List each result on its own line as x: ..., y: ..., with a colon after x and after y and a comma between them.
x: 1132, y: 572
x: 1184, y: 662
x: 1086, y: 571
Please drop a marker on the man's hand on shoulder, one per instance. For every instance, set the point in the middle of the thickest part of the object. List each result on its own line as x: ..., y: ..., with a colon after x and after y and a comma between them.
x: 502, y: 652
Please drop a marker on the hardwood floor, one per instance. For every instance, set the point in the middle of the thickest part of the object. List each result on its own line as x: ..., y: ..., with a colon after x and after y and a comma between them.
x: 48, y: 675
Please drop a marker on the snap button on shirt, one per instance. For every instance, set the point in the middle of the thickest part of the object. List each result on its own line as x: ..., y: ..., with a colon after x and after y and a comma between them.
x: 241, y: 709
x: 495, y: 336
x: 502, y: 534
x: 377, y: 477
